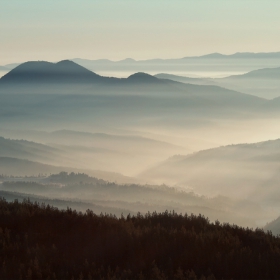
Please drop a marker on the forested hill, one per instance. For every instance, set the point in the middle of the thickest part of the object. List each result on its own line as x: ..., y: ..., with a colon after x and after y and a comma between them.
x: 41, y: 242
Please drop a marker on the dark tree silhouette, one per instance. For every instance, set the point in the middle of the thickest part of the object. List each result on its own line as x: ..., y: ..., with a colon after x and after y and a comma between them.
x: 42, y: 242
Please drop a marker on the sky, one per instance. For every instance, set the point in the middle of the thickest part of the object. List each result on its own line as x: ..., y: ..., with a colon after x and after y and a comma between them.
x: 54, y: 30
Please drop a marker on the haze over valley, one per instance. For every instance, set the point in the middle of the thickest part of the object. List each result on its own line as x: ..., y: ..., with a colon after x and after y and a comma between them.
x: 145, y: 142
x: 139, y: 139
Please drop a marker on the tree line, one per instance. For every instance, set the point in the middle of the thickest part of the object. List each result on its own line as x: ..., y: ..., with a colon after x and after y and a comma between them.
x: 38, y: 241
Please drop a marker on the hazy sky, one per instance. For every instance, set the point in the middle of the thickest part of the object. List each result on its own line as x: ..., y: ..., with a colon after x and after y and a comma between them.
x: 54, y: 30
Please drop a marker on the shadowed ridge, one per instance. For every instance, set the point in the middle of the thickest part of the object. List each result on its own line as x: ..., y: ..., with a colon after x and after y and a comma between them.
x: 72, y: 67
x: 264, y: 73
x: 65, y: 71
x: 141, y: 77
x: 28, y: 71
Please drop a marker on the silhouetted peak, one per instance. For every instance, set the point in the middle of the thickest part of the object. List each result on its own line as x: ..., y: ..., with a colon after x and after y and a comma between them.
x: 66, y: 62
x: 42, y: 71
x: 44, y: 66
x: 68, y: 66
x: 27, y: 71
x: 142, y: 78
x: 127, y: 60
x: 30, y: 65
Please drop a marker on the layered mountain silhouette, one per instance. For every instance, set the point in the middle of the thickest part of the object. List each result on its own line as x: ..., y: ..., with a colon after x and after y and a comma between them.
x: 265, y: 73
x: 27, y: 150
x: 69, y: 77
x: 22, y: 167
x: 45, y: 76
x: 244, y: 170
x: 263, y: 83
x: 67, y: 72
x: 52, y: 93
x: 215, y: 62
x: 238, y: 55
x: 187, y: 80
x: 64, y: 71
x: 143, y: 78
x: 83, y: 149
x: 108, y: 140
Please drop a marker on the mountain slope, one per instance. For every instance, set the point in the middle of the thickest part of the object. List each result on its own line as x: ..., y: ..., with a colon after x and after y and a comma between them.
x: 69, y: 77
x: 67, y: 72
x: 27, y: 150
x: 138, y: 101
x: 246, y: 170
x: 211, y: 65
x: 108, y: 152
x: 188, y: 80
x: 265, y: 73
x: 263, y: 83
x: 20, y: 167
x: 108, y: 140
x: 45, y: 72
x: 135, y: 197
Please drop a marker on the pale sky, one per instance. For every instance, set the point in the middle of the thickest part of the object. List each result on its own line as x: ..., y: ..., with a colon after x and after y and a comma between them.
x: 53, y: 30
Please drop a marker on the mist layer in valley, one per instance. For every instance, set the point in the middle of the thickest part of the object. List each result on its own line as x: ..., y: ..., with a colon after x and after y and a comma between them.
x: 261, y: 82
x: 82, y: 192
x: 154, y: 142
x: 213, y: 65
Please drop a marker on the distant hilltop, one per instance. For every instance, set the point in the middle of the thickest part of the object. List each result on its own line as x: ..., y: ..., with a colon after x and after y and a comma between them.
x: 243, y: 55
x: 105, y: 64
x: 46, y: 72
x: 209, y: 65
x: 67, y: 72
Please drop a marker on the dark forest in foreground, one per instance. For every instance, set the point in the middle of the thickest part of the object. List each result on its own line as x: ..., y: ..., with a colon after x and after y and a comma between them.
x: 42, y: 242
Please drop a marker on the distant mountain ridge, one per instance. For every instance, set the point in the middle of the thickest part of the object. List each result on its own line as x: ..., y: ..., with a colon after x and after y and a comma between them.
x: 23, y: 167
x: 101, y: 151
x: 34, y: 76
x: 26, y: 150
x: 95, y: 64
x: 126, y: 99
x: 66, y: 71
x: 215, y: 63
x: 184, y: 79
x: 246, y: 170
x: 268, y: 73
x: 210, y: 55
x: 216, y: 55
x: 263, y: 82
x: 46, y: 72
